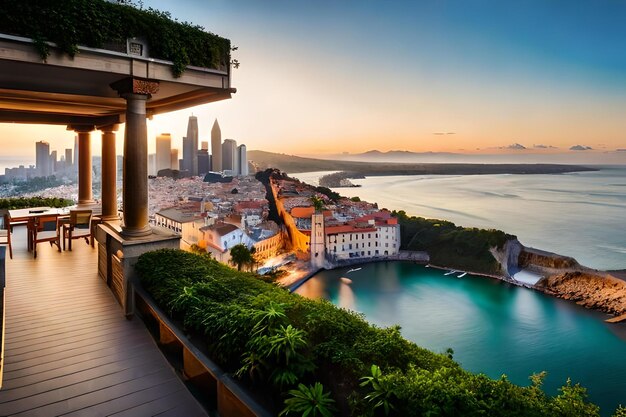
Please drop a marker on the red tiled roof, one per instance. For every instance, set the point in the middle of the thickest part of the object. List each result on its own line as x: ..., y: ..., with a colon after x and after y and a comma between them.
x: 250, y: 204
x: 347, y: 228
x: 307, y: 212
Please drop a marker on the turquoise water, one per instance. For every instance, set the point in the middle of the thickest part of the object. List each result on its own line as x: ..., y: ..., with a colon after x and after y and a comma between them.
x: 492, y: 326
x: 580, y: 214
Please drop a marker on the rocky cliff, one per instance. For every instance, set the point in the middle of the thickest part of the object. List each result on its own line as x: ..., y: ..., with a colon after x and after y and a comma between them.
x: 508, y: 257
x: 546, y: 263
x: 599, y: 291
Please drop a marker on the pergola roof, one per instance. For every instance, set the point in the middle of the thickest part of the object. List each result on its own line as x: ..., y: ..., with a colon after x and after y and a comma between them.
x: 77, y: 91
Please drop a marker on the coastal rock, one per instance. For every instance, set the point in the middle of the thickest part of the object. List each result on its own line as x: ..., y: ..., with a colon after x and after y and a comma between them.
x: 543, y: 261
x: 598, y: 291
x: 508, y: 257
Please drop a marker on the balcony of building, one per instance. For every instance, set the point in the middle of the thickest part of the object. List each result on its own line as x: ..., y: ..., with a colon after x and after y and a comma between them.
x: 69, y: 349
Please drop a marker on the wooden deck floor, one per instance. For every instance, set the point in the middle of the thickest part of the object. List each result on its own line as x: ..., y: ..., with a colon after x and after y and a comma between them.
x: 70, y: 351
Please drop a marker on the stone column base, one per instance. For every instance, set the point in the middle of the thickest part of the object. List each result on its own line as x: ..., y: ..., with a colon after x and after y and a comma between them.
x: 118, y: 254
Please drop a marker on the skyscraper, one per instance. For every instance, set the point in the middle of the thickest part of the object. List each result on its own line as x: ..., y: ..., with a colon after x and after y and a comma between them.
x: 174, y: 159
x: 42, y: 158
x: 242, y: 157
x: 216, y: 147
x: 163, y: 152
x: 229, y: 155
x: 190, y: 146
x: 68, y: 158
x: 203, y: 161
x: 53, y: 162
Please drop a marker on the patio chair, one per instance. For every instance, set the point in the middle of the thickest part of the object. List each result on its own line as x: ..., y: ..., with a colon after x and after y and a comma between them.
x: 9, y: 223
x: 5, y: 235
x: 78, y: 226
x: 45, y: 229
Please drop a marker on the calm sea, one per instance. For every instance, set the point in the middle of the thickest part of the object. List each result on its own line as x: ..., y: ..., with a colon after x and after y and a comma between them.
x: 493, y: 327
x: 580, y: 214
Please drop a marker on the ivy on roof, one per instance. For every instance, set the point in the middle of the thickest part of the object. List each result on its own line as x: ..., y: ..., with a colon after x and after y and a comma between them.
x: 107, y: 25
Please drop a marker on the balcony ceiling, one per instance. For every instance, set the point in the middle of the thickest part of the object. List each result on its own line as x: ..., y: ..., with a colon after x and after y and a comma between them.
x: 77, y: 91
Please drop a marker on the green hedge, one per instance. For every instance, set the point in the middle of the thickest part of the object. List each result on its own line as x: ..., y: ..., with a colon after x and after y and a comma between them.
x: 96, y: 23
x: 273, y: 340
x: 450, y: 245
x: 23, y: 202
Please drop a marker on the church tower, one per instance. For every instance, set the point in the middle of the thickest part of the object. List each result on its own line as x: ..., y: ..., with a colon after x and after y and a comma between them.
x: 318, y: 240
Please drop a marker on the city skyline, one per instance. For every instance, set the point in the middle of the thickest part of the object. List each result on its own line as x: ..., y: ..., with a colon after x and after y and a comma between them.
x: 49, y: 161
x: 464, y: 77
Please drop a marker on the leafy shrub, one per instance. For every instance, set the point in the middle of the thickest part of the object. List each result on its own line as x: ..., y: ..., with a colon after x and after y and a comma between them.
x: 309, y: 401
x: 275, y: 342
x: 451, y: 245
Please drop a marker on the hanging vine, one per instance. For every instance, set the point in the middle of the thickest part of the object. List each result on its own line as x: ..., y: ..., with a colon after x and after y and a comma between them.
x: 99, y: 24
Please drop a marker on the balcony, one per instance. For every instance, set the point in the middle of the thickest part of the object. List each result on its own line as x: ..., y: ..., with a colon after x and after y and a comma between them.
x: 68, y: 347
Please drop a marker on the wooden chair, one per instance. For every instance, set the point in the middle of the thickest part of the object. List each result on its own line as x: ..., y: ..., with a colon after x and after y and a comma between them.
x: 78, y: 226
x: 45, y: 229
x: 9, y: 223
x: 5, y: 235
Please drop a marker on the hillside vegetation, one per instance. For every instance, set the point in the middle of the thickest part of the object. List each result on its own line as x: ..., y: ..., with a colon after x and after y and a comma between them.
x: 453, y: 246
x: 294, y: 164
x: 275, y: 341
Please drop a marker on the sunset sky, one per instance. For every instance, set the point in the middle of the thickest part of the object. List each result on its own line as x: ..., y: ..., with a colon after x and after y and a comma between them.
x: 331, y: 76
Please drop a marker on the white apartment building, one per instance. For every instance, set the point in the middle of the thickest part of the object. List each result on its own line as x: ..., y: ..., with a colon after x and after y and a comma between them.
x: 373, y: 235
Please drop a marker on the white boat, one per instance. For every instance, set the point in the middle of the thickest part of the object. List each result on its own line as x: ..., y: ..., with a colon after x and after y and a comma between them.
x: 353, y: 269
x: 463, y: 274
x: 451, y: 272
x: 346, y: 280
x: 428, y: 266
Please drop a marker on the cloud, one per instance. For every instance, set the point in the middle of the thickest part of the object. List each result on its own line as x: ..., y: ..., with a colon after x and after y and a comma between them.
x: 451, y: 133
x: 439, y: 133
x: 515, y: 147
x: 580, y: 148
x: 544, y: 147
x: 620, y: 150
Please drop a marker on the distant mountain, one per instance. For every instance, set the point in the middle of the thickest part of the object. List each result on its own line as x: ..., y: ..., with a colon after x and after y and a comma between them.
x: 400, y: 156
x: 294, y: 164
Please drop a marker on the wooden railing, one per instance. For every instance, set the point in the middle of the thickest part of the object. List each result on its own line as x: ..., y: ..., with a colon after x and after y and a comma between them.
x: 222, y: 392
